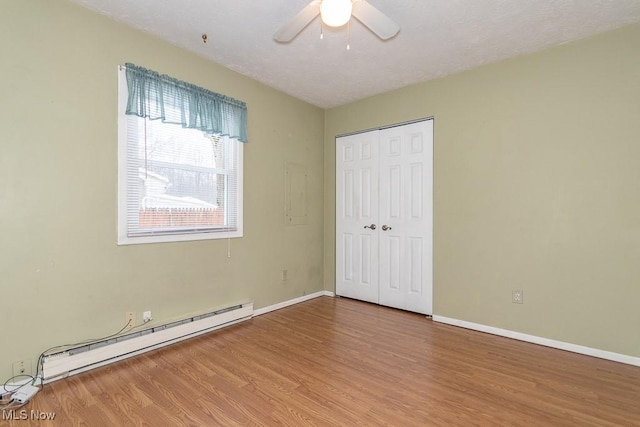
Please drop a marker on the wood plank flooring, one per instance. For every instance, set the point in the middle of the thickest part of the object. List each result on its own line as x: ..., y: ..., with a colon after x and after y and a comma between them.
x: 339, y: 362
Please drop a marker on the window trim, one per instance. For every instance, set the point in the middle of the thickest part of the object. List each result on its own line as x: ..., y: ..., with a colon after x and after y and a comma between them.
x: 123, y: 237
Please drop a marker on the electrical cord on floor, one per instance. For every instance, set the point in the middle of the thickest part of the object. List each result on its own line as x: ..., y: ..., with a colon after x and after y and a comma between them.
x: 4, y: 405
x: 18, y: 387
x: 18, y: 398
x: 13, y: 405
x: 38, y: 379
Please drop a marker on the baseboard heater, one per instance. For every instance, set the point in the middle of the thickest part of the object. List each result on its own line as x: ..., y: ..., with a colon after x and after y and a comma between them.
x: 99, y: 353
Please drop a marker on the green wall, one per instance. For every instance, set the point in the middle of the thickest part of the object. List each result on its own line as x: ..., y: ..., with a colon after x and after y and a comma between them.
x: 62, y: 276
x: 536, y: 187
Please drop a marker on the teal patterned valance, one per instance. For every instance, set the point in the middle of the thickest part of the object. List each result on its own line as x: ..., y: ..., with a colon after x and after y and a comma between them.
x: 158, y: 96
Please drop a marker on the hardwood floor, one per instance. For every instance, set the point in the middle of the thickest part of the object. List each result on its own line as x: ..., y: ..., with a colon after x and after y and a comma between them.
x: 339, y: 362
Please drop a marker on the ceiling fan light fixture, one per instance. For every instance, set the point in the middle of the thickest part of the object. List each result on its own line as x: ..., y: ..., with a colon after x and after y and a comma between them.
x: 335, y: 13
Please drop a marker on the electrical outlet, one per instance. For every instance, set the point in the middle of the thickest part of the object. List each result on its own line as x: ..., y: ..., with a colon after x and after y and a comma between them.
x: 130, y: 318
x: 146, y: 317
x: 517, y: 296
x: 22, y: 367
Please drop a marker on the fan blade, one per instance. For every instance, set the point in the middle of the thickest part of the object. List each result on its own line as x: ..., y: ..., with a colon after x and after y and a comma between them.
x: 298, y: 23
x: 373, y: 19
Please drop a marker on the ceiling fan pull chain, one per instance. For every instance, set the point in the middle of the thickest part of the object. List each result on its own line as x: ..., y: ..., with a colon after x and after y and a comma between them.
x: 321, y: 33
x: 349, y: 34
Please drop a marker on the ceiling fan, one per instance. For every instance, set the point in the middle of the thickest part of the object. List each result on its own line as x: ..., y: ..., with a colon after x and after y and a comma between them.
x: 336, y: 13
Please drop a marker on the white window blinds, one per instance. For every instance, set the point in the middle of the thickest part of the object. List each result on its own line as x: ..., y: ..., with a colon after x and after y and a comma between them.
x: 176, y: 183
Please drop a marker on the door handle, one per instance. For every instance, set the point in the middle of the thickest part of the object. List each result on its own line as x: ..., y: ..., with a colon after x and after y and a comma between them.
x: 372, y: 226
x: 385, y: 228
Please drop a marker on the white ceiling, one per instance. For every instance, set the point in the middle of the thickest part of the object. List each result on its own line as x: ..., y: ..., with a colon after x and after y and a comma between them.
x: 437, y: 38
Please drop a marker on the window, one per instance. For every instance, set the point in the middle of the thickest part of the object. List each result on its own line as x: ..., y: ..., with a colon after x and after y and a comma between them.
x: 175, y: 183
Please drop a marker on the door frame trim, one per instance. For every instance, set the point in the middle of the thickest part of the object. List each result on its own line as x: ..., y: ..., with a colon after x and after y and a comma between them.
x: 408, y: 122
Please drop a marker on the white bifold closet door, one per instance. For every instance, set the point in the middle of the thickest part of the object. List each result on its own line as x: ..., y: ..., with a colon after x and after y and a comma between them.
x: 384, y: 216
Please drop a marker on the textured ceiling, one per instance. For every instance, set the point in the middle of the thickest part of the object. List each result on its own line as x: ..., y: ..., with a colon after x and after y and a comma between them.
x: 437, y: 38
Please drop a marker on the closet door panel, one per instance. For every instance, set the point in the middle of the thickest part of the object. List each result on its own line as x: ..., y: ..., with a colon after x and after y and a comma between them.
x: 406, y: 158
x: 356, y: 207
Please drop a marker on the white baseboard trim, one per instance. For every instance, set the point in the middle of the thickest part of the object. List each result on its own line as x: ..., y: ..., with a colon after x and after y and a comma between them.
x: 589, y: 351
x: 284, y: 304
